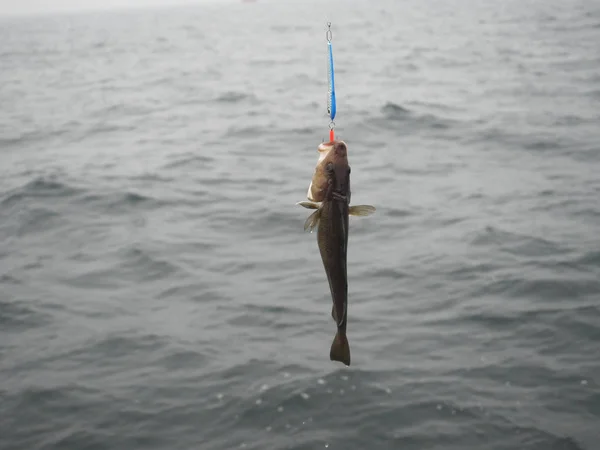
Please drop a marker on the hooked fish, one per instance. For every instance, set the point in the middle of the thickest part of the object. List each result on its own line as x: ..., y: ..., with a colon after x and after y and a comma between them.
x: 330, y: 187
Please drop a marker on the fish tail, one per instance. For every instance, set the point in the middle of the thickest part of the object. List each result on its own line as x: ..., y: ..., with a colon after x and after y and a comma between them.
x: 340, y: 349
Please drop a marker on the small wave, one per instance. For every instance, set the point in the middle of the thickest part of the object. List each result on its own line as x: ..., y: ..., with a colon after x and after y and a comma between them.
x: 233, y: 97
x: 265, y: 317
x: 194, y: 292
x: 591, y: 258
x: 182, y: 360
x: 193, y: 161
x: 434, y: 105
x: 39, y: 187
x: 388, y: 273
x: 473, y: 271
x: 23, y: 137
x: 152, y: 177
x: 393, y: 112
x: 141, y: 264
x: 542, y: 288
x: 540, y: 145
x: 124, y: 345
x: 102, y: 128
x: 265, y: 220
x: 8, y: 141
x: 131, y: 198
x: 303, y: 131
x: 8, y: 279
x: 517, y: 244
x: 33, y: 220
x: 18, y: 315
x: 119, y: 201
x: 246, y: 132
x: 398, y: 213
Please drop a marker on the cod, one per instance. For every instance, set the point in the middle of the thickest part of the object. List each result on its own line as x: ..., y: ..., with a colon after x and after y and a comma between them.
x: 329, y: 194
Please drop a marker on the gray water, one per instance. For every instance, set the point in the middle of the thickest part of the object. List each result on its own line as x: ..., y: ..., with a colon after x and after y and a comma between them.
x: 157, y: 290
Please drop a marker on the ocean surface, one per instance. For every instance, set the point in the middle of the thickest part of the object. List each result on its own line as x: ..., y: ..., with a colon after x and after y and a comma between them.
x: 158, y: 291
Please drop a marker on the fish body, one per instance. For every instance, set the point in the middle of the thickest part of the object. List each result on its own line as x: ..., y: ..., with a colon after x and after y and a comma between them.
x: 331, y: 220
x: 332, y: 239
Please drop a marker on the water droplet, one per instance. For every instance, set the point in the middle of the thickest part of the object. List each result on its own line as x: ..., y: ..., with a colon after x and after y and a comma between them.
x: 219, y: 396
x: 286, y: 374
x: 326, y: 445
x: 268, y: 428
x: 344, y: 377
x: 264, y: 387
x: 305, y: 396
x: 280, y: 409
x: 259, y: 401
x: 321, y: 381
x: 388, y: 391
x: 439, y: 407
x: 584, y: 382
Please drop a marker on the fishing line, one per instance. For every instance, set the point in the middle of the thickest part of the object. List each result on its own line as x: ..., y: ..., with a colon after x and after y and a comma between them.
x: 331, y: 106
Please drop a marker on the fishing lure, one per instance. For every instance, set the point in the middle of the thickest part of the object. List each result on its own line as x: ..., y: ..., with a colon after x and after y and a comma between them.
x: 331, y: 106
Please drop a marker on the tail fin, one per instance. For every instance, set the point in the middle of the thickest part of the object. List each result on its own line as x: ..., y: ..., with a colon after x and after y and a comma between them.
x: 340, y: 349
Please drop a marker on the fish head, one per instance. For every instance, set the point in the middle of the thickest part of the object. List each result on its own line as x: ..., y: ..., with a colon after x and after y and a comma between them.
x: 333, y: 154
x: 337, y: 168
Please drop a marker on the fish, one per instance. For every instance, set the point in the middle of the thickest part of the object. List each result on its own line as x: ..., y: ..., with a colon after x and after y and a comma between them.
x: 331, y: 219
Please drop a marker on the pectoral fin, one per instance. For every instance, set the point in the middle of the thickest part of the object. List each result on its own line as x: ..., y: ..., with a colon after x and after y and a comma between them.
x: 309, y: 205
x: 361, y: 210
x: 313, y: 221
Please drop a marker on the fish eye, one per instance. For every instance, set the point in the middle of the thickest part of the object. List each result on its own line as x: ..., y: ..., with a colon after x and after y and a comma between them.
x: 349, y: 170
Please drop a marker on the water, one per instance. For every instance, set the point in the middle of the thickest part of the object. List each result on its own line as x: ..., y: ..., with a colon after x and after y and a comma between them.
x: 158, y: 290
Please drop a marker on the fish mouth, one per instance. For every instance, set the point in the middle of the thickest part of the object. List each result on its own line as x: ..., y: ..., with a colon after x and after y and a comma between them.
x: 340, y: 148
x: 325, y: 146
x: 324, y: 150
